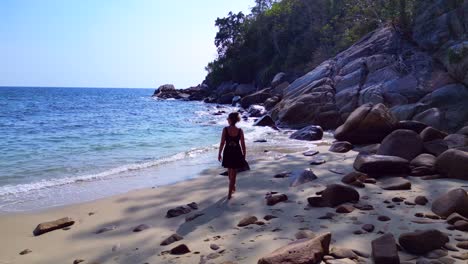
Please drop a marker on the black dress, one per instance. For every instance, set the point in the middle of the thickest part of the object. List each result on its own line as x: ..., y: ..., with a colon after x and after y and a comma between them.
x: 232, y: 154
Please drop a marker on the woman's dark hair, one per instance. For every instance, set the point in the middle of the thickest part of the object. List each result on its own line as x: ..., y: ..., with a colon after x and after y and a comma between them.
x: 234, y: 117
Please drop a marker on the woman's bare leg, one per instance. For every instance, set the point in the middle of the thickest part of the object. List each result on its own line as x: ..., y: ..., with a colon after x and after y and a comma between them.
x: 234, y: 176
x: 230, y: 175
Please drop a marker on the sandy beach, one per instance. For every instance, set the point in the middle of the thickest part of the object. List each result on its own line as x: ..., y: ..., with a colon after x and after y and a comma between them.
x: 216, y: 227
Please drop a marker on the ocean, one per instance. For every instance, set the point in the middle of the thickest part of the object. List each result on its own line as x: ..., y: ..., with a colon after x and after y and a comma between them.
x: 66, y: 145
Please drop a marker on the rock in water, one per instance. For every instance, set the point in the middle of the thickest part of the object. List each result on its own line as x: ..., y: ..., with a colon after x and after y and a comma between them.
x: 266, y: 121
x: 384, y: 250
x: 274, y: 199
x: 453, y: 163
x: 304, y: 251
x: 305, y: 176
x: 341, y: 147
x: 171, y: 239
x: 53, y: 225
x: 379, y: 164
x: 402, y: 143
x: 454, y: 201
x: 393, y: 184
x: 309, y: 133
x: 421, y: 242
x: 334, y: 195
x: 367, y: 124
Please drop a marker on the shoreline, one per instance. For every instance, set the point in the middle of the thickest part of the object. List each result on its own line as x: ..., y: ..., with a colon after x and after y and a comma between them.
x: 218, y: 219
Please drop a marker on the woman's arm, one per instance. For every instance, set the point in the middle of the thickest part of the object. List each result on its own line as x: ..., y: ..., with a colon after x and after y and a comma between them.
x: 243, y: 143
x: 221, y: 144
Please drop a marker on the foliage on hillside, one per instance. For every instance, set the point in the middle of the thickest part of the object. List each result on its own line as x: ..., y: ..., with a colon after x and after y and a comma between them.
x: 294, y: 36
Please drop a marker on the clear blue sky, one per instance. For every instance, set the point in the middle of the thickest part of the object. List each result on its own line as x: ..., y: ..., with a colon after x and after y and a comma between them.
x: 109, y: 43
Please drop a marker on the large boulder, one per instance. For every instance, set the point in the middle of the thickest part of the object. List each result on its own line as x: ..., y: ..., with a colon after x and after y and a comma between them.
x: 402, y: 143
x: 381, y: 165
x: 384, y: 250
x: 309, y: 133
x: 367, y: 124
x: 256, y: 98
x: 334, y: 195
x: 430, y: 133
x: 423, y: 164
x: 303, y: 251
x: 421, y: 242
x: 245, y: 89
x: 453, y: 163
x: 266, y: 121
x: 454, y: 201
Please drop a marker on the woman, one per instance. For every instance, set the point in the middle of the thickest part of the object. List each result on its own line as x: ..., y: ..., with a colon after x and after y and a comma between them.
x: 233, y: 157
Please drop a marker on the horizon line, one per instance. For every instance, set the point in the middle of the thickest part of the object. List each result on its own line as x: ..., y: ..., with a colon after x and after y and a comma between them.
x: 102, y: 87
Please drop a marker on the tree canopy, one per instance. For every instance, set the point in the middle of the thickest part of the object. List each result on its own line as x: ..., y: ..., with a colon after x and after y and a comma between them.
x: 294, y: 36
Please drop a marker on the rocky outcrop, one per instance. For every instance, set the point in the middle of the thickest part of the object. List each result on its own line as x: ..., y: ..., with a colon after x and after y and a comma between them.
x: 196, y: 93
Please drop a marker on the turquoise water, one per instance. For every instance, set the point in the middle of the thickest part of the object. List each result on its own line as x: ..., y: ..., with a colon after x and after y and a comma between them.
x: 52, y: 137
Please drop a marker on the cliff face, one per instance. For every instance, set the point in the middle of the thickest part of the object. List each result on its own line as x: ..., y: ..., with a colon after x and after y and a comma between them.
x: 422, y: 78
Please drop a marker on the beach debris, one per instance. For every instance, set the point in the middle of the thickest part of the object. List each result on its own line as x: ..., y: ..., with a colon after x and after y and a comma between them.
x: 421, y: 200
x: 394, y: 184
x: 274, y: 199
x: 180, y: 250
x: 141, y: 228
x: 53, y: 225
x: 334, y: 195
x: 384, y: 250
x: 341, y: 147
x: 106, y: 229
x: 454, y: 201
x: 26, y: 251
x: 421, y: 242
x: 301, y: 177
x: 301, y: 251
x: 249, y: 220
x: 171, y: 239
x: 380, y: 164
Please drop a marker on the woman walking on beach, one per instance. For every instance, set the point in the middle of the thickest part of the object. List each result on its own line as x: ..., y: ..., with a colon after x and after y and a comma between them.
x: 233, y: 157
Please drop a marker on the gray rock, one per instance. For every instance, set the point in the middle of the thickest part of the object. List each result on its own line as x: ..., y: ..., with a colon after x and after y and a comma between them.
x: 341, y: 147
x: 141, y: 228
x: 309, y: 133
x: 249, y: 220
x: 171, y: 239
x: 401, y: 143
x: 302, y: 177
x: 53, y: 225
x: 334, y: 195
x: 395, y: 184
x: 300, y: 252
x: 430, y: 133
x: 422, y: 242
x: 379, y: 164
x: 384, y: 250
x: 453, y: 164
